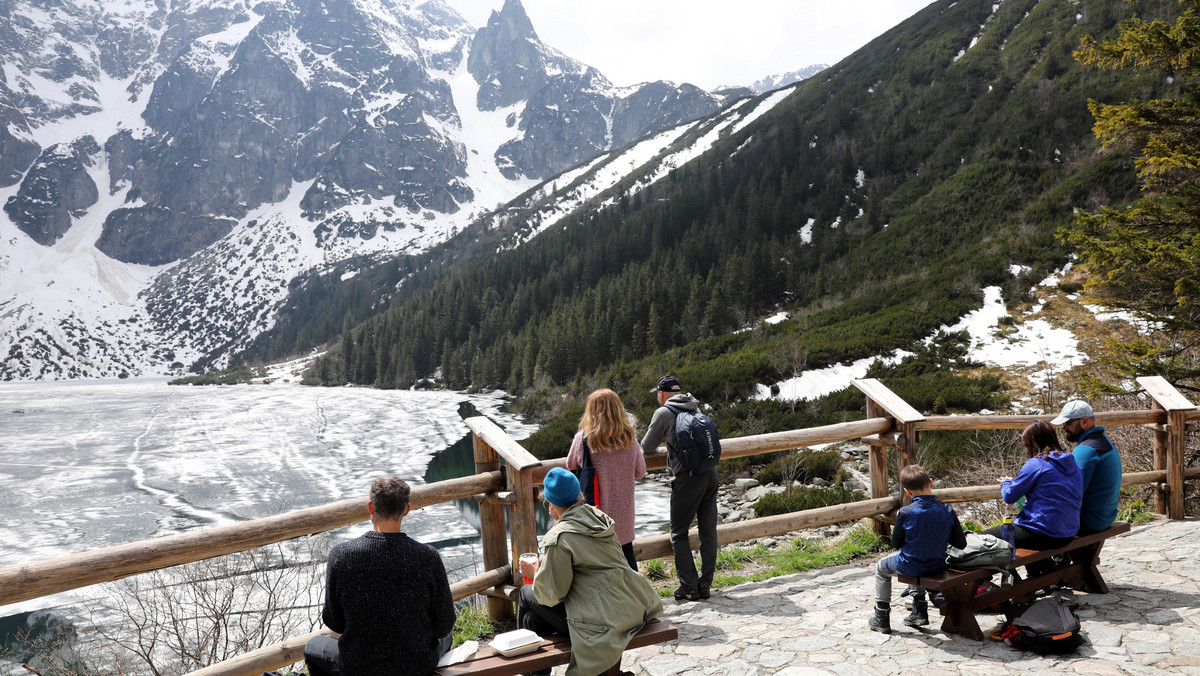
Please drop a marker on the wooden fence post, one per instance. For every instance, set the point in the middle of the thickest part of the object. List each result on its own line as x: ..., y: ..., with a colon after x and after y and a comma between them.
x: 881, y: 403
x: 492, y: 531
x: 878, y: 467
x: 1177, y: 406
x: 520, y: 480
x: 1160, y: 464
x: 522, y: 520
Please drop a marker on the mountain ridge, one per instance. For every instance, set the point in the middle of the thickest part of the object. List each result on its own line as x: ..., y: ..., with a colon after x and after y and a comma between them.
x: 240, y: 145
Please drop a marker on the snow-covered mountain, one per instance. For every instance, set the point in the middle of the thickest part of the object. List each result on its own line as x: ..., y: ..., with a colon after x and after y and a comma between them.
x: 776, y: 81
x: 167, y: 169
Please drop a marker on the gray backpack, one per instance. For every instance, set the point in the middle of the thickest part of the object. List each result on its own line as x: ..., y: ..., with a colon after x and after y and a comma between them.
x: 982, y: 551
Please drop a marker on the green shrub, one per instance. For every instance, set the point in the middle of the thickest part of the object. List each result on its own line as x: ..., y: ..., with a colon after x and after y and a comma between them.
x: 802, y: 466
x: 732, y: 558
x: 806, y: 554
x: 806, y: 497
x: 655, y: 569
x: 1135, y: 513
x: 553, y: 440
x: 472, y: 624
x: 229, y: 376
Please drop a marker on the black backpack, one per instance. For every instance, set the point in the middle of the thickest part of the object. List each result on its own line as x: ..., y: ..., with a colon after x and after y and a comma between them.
x: 1046, y: 627
x: 697, y: 444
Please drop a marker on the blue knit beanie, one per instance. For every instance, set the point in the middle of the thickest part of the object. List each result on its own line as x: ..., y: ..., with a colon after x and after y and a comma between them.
x: 561, y: 487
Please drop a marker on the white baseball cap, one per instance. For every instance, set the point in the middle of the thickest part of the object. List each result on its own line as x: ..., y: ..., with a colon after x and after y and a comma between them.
x: 1074, y: 410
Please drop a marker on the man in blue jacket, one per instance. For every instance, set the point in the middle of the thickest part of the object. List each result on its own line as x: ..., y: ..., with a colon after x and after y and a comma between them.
x: 1100, y: 462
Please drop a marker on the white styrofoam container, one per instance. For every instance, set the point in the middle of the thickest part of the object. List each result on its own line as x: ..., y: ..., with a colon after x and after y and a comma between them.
x: 512, y: 640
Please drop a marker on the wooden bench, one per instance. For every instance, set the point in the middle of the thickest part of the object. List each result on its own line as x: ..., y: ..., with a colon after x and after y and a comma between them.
x: 554, y: 650
x: 958, y: 587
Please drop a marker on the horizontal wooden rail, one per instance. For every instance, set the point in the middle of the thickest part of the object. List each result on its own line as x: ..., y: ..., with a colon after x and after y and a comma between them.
x: 270, y: 657
x: 26, y: 581
x: 737, y: 447
x: 480, y: 583
x: 291, y: 651
x: 658, y: 546
x: 1017, y: 422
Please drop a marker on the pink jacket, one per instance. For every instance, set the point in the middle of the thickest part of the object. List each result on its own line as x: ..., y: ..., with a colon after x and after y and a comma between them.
x: 617, y: 471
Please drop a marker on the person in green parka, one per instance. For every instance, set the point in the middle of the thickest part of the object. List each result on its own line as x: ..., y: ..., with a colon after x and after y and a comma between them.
x: 582, y: 584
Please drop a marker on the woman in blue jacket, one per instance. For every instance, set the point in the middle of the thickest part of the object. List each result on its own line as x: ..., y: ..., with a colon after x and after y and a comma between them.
x: 1052, y: 485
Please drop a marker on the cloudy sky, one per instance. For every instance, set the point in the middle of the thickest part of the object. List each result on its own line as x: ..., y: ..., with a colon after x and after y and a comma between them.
x: 705, y: 42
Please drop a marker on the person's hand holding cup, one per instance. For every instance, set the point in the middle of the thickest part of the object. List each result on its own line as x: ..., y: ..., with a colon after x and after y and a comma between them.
x: 528, y: 565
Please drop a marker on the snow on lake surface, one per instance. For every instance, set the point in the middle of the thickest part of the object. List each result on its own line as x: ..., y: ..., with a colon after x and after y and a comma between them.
x: 85, y: 465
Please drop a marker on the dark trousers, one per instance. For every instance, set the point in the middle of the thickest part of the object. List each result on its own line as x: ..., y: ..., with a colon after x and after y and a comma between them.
x: 1084, y: 530
x: 694, y: 496
x: 1027, y: 539
x: 627, y: 549
x: 539, y: 619
x: 323, y: 657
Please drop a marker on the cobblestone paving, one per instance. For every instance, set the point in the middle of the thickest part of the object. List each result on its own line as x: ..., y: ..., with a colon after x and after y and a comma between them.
x: 816, y: 623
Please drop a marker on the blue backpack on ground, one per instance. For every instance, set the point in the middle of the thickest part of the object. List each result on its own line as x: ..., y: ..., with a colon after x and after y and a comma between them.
x: 697, y: 444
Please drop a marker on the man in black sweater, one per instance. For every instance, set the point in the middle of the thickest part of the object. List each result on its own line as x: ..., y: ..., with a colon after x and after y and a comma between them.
x: 387, y: 595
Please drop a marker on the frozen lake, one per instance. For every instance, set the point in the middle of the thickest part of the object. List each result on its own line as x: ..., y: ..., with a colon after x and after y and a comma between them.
x: 85, y: 465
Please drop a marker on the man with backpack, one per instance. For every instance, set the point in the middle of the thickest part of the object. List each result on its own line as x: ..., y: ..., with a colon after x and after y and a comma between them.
x: 692, y: 458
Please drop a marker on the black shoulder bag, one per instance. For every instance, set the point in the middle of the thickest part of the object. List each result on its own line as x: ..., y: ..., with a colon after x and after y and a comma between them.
x: 589, y: 482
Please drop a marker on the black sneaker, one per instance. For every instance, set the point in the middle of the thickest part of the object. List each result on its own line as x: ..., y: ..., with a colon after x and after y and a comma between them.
x: 682, y: 594
x: 704, y: 591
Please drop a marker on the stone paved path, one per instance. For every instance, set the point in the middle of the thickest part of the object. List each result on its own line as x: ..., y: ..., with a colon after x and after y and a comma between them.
x: 816, y: 623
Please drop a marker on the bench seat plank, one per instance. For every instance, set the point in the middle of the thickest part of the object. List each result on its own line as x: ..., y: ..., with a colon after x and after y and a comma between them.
x: 554, y: 650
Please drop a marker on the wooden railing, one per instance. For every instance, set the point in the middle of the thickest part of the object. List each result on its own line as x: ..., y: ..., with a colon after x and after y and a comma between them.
x: 507, y: 478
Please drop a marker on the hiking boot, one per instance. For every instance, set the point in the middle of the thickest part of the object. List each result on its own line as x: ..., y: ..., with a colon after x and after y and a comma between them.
x: 919, y: 617
x: 704, y: 591
x: 882, y: 621
x: 682, y: 594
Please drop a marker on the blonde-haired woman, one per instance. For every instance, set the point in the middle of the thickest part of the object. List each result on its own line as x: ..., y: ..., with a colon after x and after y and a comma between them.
x: 617, y: 457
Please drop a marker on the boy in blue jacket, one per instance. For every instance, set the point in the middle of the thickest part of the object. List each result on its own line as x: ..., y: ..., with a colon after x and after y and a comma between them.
x: 923, y: 529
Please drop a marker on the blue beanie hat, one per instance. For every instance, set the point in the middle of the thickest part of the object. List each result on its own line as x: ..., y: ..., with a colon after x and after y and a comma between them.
x: 561, y: 487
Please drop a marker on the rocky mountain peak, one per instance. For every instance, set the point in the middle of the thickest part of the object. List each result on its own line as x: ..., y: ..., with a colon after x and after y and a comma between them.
x: 509, y: 62
x: 244, y: 143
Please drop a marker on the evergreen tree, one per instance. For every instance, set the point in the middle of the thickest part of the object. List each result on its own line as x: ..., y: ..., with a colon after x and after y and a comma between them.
x: 1145, y: 257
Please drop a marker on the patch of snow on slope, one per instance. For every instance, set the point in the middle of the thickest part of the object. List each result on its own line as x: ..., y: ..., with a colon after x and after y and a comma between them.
x: 1034, y: 343
x: 820, y: 382
x: 1105, y: 314
x: 116, y: 112
x: 71, y: 305
x: 605, y: 170
x: 483, y: 132
x: 1054, y: 279
x: 228, y: 292
x: 762, y: 107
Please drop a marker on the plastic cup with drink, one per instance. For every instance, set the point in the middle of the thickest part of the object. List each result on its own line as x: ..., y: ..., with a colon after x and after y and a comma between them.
x: 530, y: 558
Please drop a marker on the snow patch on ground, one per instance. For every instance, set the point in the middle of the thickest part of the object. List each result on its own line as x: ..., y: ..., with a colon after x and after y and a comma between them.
x: 1031, y: 344
x: 1106, y: 314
